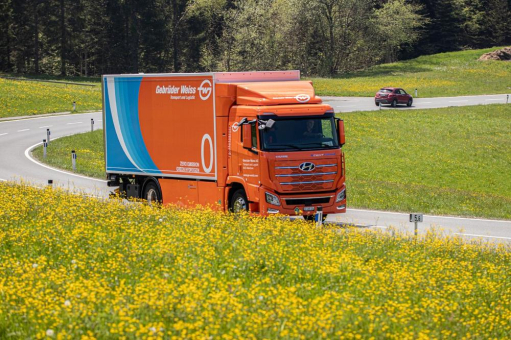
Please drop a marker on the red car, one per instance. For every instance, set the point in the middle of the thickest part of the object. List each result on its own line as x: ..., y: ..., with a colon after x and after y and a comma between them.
x: 393, y: 96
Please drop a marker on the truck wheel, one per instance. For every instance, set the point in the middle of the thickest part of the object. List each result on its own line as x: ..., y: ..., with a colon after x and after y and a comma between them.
x: 239, y: 201
x: 152, y: 193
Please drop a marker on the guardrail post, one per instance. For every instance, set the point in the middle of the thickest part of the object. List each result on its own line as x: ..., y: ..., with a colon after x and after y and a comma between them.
x: 48, y: 133
x: 73, y: 159
x: 45, y: 145
x: 91, y: 125
x: 318, y: 217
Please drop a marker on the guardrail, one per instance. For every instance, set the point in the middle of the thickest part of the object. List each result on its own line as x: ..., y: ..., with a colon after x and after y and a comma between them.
x: 50, y: 81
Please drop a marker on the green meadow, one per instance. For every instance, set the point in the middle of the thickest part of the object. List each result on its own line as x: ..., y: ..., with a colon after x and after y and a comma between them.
x: 438, y: 75
x: 30, y: 97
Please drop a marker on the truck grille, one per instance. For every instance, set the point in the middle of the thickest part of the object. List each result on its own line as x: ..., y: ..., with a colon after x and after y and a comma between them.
x: 291, y: 178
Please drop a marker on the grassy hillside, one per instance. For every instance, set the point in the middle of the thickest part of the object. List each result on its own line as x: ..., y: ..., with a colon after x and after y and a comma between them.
x: 453, y: 161
x: 74, y: 267
x: 25, y: 98
x: 439, y: 75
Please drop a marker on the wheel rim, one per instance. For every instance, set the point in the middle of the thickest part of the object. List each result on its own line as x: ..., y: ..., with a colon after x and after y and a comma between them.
x: 152, y: 196
x: 239, y: 205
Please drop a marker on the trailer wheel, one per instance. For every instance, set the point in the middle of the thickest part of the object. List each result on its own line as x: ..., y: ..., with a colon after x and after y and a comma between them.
x: 152, y: 193
x: 239, y: 202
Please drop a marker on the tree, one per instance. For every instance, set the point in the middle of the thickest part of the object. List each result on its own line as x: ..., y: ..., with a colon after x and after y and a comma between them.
x: 395, y: 24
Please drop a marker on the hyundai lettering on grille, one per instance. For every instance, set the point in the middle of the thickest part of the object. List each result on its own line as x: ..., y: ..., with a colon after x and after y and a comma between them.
x: 307, y: 166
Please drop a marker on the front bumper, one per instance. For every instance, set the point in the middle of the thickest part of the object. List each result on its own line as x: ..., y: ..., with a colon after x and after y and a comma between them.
x: 304, y: 204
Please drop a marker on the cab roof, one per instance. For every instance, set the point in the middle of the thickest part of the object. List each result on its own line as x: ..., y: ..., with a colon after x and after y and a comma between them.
x: 276, y: 93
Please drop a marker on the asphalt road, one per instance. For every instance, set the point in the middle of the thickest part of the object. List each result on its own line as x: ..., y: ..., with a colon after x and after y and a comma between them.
x: 350, y: 104
x: 18, y: 137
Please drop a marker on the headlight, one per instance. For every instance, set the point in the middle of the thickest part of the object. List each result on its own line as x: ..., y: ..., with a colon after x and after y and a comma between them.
x: 272, y: 199
x: 341, y: 196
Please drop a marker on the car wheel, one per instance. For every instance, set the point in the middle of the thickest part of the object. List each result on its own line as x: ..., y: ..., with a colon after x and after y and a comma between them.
x: 394, y: 103
x: 410, y: 102
x: 239, y: 201
x: 377, y: 104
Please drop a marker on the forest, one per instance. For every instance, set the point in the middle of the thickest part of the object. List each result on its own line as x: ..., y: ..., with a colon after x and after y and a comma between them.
x: 318, y: 37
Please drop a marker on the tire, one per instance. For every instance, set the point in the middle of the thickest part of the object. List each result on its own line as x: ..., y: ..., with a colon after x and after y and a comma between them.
x: 152, y: 193
x: 239, y: 201
x: 394, y: 103
x: 410, y: 102
x: 377, y: 104
x: 311, y: 217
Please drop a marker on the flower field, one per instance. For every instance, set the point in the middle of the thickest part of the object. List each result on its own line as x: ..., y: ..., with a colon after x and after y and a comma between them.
x: 25, y: 98
x: 72, y: 267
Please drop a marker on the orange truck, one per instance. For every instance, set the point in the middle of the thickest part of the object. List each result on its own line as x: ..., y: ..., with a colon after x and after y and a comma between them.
x: 257, y: 141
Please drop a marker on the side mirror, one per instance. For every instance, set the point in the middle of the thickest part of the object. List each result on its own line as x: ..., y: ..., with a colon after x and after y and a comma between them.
x: 340, y: 132
x: 247, y: 136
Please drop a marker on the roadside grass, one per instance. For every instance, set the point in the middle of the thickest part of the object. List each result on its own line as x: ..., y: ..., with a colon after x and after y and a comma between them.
x: 89, y: 148
x: 439, y: 75
x: 25, y: 98
x: 453, y: 161
x: 450, y: 161
x: 77, y: 267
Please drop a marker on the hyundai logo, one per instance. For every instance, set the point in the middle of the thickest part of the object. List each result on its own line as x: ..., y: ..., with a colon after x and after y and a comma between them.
x: 307, y: 166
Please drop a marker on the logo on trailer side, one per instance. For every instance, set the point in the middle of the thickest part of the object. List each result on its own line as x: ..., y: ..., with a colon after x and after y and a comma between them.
x: 205, y: 89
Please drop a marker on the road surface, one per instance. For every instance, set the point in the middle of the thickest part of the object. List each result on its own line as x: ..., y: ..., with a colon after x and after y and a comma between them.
x: 350, y: 104
x: 19, y: 136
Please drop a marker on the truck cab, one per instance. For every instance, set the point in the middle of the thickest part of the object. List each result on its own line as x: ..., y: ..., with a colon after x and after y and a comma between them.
x: 285, y: 152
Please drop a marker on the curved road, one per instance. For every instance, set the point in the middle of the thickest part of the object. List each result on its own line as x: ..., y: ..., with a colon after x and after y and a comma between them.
x: 19, y: 136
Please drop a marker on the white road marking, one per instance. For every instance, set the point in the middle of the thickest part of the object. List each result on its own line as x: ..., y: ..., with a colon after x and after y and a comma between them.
x: 46, y: 126
x: 55, y: 116
x: 74, y: 123
x: 434, y: 216
x: 23, y: 130
x: 486, y: 236
x: 6, y: 133
x: 423, y: 102
x: 27, y: 154
x: 458, y: 101
x: 3, y: 180
x: 490, y: 100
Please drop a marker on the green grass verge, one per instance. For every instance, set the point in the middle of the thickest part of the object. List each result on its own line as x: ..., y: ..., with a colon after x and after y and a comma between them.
x: 73, y: 267
x: 450, y: 161
x: 453, y: 161
x: 439, y: 75
x: 25, y: 98
x: 90, y: 160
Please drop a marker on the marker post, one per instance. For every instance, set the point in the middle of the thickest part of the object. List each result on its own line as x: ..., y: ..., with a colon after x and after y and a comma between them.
x: 45, y: 145
x: 73, y: 159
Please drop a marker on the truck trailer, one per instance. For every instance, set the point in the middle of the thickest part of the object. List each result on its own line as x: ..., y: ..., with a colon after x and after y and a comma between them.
x: 256, y: 141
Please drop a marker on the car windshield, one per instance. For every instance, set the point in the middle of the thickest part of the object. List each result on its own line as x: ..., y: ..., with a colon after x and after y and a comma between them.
x: 300, y: 134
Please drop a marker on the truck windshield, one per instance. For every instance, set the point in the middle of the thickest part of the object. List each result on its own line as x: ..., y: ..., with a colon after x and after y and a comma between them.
x: 300, y: 134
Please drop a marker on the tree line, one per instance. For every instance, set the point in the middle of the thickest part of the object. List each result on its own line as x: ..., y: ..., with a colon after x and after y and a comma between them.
x: 319, y: 37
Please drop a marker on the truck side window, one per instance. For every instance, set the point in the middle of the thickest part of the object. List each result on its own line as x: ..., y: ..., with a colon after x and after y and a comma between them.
x: 254, y: 135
